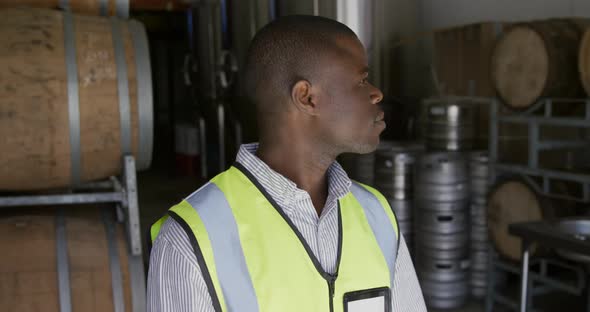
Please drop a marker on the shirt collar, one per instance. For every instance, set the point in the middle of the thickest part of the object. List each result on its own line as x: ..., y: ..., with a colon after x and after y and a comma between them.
x: 285, y: 191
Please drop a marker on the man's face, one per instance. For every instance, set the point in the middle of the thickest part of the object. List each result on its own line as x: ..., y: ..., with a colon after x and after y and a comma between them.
x: 350, y: 119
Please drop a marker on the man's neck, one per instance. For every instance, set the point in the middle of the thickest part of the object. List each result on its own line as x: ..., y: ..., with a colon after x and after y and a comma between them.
x: 303, y: 164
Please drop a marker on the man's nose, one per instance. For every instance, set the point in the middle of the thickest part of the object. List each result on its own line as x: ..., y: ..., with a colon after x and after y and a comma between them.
x: 376, y: 95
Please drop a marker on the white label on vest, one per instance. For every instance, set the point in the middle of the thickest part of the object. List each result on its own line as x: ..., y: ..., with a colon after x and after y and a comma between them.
x: 375, y: 304
x: 368, y: 300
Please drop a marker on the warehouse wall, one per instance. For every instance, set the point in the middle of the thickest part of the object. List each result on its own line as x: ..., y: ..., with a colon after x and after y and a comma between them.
x: 436, y: 14
x: 440, y: 14
x: 393, y: 65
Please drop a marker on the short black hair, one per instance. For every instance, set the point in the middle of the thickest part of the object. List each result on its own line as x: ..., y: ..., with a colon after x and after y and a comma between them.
x: 285, y: 51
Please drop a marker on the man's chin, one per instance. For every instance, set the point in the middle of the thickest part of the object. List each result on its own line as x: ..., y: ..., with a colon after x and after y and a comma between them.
x: 366, y: 148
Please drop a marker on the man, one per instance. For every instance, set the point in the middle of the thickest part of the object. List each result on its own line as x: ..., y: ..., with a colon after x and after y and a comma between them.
x: 285, y: 229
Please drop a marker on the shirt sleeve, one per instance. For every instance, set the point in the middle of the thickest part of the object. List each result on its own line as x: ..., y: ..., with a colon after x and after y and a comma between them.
x: 175, y: 282
x: 406, y: 295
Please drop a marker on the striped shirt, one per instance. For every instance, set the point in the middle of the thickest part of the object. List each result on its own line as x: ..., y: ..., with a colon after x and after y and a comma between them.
x: 175, y: 282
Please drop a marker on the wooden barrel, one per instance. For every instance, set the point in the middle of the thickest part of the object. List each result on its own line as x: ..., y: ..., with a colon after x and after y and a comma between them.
x: 537, y: 59
x: 100, y: 7
x: 76, y: 96
x: 88, y: 7
x: 512, y: 201
x: 101, y: 274
x: 584, y: 61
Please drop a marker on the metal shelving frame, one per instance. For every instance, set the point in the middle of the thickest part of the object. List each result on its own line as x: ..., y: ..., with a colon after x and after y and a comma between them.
x: 121, y: 191
x: 540, y: 282
x: 537, y: 116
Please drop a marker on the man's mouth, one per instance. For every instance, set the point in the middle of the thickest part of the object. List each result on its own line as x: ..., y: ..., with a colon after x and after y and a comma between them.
x: 380, y: 117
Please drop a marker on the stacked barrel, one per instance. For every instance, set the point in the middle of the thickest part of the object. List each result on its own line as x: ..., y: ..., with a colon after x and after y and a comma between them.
x: 76, y: 98
x: 394, y: 165
x: 450, y: 126
x: 479, y: 179
x: 442, y: 225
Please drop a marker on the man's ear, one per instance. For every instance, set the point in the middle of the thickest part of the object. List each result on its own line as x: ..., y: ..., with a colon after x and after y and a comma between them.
x: 304, y: 97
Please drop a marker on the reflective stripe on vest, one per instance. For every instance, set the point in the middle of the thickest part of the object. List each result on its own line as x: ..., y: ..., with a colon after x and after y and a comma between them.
x: 257, y: 261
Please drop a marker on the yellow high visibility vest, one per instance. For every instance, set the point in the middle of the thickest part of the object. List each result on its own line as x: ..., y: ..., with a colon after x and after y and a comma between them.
x: 252, y: 257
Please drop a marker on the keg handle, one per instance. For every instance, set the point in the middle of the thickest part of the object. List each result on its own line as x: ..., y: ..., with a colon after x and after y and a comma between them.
x: 444, y: 218
x: 443, y: 266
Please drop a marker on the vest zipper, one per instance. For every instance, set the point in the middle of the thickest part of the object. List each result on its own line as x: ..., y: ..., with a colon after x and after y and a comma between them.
x: 331, y: 279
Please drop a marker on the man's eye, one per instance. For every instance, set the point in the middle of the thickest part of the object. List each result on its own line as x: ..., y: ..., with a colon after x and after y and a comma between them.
x: 364, y: 81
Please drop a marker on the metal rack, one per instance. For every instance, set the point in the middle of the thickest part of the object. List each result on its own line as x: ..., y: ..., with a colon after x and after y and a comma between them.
x: 540, y: 282
x: 537, y: 116
x: 121, y: 191
x: 540, y: 115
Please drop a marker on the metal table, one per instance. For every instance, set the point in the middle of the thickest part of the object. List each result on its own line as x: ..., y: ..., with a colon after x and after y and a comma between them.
x: 547, y: 234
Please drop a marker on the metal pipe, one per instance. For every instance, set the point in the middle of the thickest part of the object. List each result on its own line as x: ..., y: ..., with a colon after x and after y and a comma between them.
x: 69, y: 199
x: 238, y: 133
x: 96, y: 185
x: 548, y: 108
x: 545, y: 185
x: 316, y: 8
x: 493, y: 141
x: 524, y: 283
x: 131, y: 204
x: 203, y: 142
x: 253, y: 17
x: 272, y: 9
x: 554, y: 174
x: 553, y: 121
x: 533, y: 140
x: 221, y: 135
x: 549, y: 145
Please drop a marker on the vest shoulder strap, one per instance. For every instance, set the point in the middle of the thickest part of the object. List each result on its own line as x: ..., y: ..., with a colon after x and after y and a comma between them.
x: 384, y: 203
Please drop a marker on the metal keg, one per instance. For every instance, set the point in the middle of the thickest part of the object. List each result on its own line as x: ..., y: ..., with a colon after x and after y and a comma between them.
x: 479, y: 278
x: 364, y: 168
x: 479, y: 261
x: 429, y: 240
x: 444, y: 303
x: 441, y: 177
x: 479, y: 174
x: 442, y: 168
x: 479, y: 238
x: 394, y: 168
x: 443, y: 254
x: 479, y: 233
x: 359, y: 167
x: 478, y: 214
x: 405, y: 226
x: 443, y: 290
x: 402, y: 208
x: 450, y: 126
x: 443, y: 192
x: 449, y: 295
x: 442, y: 222
x: 442, y: 270
x: 479, y: 186
x: 424, y: 204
